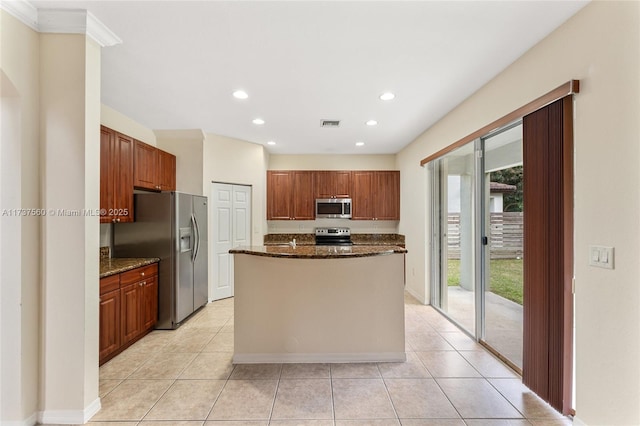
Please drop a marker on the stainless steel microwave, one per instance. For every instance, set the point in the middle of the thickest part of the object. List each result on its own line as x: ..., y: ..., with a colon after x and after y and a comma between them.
x: 333, y: 208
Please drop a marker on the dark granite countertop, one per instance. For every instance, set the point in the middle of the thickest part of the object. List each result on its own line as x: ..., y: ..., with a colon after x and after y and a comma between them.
x: 117, y: 265
x: 317, y: 252
x: 358, y: 239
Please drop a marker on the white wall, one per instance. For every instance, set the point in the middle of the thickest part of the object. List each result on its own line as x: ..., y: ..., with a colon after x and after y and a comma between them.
x: 235, y: 161
x: 19, y: 60
x: 332, y: 162
x: 70, y: 124
x: 599, y: 46
x: 115, y: 120
x: 187, y: 146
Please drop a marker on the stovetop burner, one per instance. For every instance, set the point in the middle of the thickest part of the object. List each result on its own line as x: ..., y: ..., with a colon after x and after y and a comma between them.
x: 333, y: 237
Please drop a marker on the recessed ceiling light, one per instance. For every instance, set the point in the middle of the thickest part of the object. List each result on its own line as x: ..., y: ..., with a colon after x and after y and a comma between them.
x: 359, y: 143
x: 371, y: 123
x: 387, y: 96
x: 258, y: 121
x: 240, y: 94
x: 271, y: 143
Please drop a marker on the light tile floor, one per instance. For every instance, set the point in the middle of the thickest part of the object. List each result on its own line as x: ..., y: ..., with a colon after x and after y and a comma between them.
x: 185, y: 377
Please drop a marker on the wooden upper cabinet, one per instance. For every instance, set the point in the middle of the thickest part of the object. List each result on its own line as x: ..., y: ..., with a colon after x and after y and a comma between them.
x: 279, y: 190
x: 290, y: 195
x: 362, y: 195
x: 303, y: 200
x: 167, y: 166
x: 116, y: 176
x: 332, y: 184
x: 376, y: 195
x: 145, y: 166
x: 107, y: 173
x: 154, y: 169
x: 387, y: 195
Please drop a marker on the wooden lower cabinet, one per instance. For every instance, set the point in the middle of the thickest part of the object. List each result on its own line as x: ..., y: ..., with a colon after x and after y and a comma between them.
x: 130, y: 312
x: 128, y: 309
x: 109, y: 323
x: 149, y: 303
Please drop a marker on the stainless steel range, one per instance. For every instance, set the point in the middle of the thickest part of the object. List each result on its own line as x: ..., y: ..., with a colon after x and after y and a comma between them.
x: 333, y: 237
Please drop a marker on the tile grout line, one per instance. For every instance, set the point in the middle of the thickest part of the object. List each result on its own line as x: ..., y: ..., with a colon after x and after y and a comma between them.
x: 275, y: 395
x: 333, y: 406
x: 393, y: 406
x: 226, y: 380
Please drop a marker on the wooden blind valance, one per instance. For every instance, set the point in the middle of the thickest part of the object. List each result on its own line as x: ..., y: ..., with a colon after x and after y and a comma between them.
x: 569, y: 88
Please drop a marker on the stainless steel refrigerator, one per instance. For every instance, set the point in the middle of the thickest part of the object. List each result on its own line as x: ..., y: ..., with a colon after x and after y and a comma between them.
x: 173, y: 227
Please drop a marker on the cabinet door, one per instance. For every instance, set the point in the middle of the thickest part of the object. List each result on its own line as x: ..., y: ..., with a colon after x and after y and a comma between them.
x: 123, y: 204
x: 149, y: 303
x: 167, y: 170
x: 362, y: 195
x: 108, y: 163
x: 332, y: 184
x: 279, y: 190
x: 303, y: 200
x: 109, y: 323
x: 323, y: 184
x: 145, y: 166
x: 387, y: 195
x: 341, y: 184
x: 130, y: 312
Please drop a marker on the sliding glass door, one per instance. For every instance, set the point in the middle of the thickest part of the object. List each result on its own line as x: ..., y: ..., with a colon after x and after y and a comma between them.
x: 453, y: 186
x: 503, y: 227
x: 477, y: 254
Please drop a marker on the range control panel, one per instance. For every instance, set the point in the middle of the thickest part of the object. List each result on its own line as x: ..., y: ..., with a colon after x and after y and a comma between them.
x: 333, y: 232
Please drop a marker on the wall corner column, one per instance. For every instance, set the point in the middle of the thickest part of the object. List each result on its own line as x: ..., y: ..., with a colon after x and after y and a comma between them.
x: 69, y: 128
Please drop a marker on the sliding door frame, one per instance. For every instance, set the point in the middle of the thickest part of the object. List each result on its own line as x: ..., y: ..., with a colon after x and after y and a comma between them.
x: 564, y: 92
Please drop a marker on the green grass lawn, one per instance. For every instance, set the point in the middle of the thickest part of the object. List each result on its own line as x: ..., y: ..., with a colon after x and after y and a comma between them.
x: 506, y: 277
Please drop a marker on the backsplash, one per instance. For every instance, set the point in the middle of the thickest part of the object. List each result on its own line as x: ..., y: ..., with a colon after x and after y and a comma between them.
x: 309, y: 226
x: 106, y: 230
x: 105, y: 252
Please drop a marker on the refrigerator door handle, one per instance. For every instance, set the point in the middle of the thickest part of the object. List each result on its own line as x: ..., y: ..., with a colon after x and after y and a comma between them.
x: 196, y: 244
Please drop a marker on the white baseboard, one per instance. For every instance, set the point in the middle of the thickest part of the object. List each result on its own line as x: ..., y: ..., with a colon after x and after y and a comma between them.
x: 417, y: 296
x: 30, y: 421
x: 578, y: 422
x: 70, y: 417
x: 318, y: 358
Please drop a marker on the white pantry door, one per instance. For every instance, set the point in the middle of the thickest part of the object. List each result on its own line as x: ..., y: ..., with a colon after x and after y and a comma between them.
x: 231, y: 206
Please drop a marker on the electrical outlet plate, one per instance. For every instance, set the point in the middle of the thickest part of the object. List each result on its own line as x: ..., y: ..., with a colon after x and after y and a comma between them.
x: 601, y: 256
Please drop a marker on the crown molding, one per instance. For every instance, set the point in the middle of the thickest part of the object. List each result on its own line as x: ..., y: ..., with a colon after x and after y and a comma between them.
x: 22, y: 10
x: 100, y: 33
x: 61, y: 21
x: 76, y: 21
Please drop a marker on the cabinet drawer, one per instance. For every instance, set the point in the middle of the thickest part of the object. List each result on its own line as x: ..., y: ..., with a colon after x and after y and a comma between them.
x: 110, y: 283
x: 138, y: 274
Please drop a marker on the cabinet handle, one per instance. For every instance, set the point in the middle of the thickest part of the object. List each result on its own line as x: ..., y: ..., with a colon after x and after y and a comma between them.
x: 142, y: 273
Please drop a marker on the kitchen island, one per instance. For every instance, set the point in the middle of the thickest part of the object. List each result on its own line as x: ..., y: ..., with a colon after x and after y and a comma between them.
x: 318, y: 304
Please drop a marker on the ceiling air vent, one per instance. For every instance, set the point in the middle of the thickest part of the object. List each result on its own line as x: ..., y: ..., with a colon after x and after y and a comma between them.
x: 329, y: 123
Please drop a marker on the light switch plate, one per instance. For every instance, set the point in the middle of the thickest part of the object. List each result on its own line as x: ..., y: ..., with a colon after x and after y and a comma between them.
x: 601, y: 256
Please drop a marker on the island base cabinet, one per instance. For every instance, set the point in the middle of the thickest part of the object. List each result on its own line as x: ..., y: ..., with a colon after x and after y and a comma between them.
x: 336, y: 310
